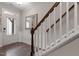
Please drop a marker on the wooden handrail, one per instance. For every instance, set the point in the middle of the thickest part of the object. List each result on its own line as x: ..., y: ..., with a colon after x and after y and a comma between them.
x: 47, y: 14
x: 52, y: 8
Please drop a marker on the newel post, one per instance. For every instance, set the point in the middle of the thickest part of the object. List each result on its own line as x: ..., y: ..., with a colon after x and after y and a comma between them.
x: 32, y: 42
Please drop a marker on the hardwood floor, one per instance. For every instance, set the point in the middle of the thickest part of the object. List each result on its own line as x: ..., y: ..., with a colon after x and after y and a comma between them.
x: 15, y: 49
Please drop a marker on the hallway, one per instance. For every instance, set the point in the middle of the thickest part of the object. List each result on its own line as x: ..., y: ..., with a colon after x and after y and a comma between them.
x: 39, y: 28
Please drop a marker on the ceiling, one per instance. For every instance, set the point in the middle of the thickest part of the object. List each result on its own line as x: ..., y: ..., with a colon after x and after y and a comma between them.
x: 29, y: 5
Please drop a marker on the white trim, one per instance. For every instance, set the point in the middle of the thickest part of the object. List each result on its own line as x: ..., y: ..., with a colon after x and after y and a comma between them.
x: 75, y: 14
x: 60, y: 19
x: 67, y: 19
x: 54, y: 24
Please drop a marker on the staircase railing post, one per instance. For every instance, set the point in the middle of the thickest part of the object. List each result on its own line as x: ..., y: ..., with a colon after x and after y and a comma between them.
x: 32, y: 42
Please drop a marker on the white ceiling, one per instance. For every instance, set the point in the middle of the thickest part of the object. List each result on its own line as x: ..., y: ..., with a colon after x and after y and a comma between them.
x: 29, y: 5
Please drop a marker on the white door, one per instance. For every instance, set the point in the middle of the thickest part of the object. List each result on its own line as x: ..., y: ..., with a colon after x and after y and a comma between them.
x: 8, y: 30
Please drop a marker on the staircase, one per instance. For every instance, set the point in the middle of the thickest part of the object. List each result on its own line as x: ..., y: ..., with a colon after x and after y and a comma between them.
x: 57, y: 28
